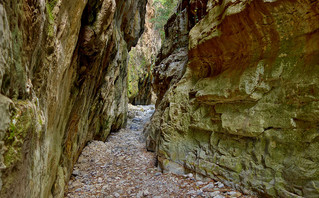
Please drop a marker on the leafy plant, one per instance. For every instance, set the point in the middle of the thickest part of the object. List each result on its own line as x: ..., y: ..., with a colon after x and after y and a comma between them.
x: 12, y: 129
x: 163, y: 10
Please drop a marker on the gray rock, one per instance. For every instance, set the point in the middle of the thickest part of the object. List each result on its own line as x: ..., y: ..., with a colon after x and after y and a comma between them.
x: 146, y: 193
x: 76, y: 172
x: 219, y: 196
x: 213, y: 194
x: 190, y: 175
x: 208, y: 188
x: 78, y: 190
x: 191, y: 192
x: 199, y: 193
x: 220, y: 185
x: 140, y: 194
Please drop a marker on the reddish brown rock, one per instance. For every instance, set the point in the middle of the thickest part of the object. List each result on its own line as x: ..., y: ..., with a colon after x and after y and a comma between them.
x: 246, y: 110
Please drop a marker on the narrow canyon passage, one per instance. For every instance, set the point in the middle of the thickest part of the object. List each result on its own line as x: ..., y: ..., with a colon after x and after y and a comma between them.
x: 122, y: 167
x: 235, y: 83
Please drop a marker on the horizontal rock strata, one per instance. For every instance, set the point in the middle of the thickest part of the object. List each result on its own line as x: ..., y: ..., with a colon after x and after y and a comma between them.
x: 246, y: 110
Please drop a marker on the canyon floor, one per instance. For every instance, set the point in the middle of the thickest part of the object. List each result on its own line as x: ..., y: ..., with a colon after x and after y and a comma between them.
x: 122, y: 167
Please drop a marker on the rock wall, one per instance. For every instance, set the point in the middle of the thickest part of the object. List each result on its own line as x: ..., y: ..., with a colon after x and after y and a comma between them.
x: 246, y: 110
x: 63, y: 82
x: 141, y: 61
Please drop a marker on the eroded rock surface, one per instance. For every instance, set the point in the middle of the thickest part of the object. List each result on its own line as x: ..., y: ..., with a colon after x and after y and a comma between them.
x: 246, y: 110
x: 63, y: 82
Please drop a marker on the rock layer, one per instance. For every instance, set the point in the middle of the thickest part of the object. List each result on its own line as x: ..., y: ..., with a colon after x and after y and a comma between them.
x: 63, y: 81
x: 246, y: 110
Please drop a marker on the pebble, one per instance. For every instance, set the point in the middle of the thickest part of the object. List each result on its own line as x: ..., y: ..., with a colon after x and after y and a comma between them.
x: 190, y: 175
x: 213, y: 194
x: 209, y: 187
x: 234, y: 194
x: 146, y: 193
x: 184, y: 185
x: 139, y: 194
x: 76, y: 173
x: 219, y: 196
x: 78, y: 190
x: 220, y: 185
x: 199, y: 192
x: 191, y: 192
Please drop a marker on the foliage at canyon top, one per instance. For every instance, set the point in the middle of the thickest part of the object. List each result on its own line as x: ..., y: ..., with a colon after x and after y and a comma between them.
x: 142, y: 57
x: 164, y: 9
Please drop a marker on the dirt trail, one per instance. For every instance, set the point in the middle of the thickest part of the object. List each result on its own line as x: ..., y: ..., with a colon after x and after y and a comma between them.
x: 121, y: 167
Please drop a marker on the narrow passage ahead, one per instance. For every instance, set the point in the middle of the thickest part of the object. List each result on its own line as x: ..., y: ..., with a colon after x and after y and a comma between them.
x: 122, y: 167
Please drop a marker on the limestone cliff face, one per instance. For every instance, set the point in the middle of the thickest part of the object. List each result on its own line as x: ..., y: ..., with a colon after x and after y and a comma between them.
x: 63, y: 81
x: 246, y: 110
x: 141, y: 60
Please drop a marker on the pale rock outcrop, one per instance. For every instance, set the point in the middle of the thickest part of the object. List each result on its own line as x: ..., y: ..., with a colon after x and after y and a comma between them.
x: 63, y: 82
x: 246, y: 110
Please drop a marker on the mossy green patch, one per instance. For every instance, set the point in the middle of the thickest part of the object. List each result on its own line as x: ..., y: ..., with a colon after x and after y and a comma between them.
x: 23, y: 122
x: 49, y: 8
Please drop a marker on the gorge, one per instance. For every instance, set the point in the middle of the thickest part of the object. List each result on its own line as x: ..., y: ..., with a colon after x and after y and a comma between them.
x: 236, y: 83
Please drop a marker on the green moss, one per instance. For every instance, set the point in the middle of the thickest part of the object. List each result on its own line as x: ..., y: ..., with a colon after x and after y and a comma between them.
x: 10, y: 156
x: 23, y: 122
x: 12, y: 131
x: 49, y: 7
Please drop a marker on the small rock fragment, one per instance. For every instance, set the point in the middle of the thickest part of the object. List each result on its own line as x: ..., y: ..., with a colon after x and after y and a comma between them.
x: 78, y: 190
x: 146, y: 193
x: 191, y: 192
x: 234, y: 194
x: 208, y: 188
x: 183, y: 185
x: 220, y: 185
x: 139, y: 194
x: 199, y: 193
x: 213, y: 194
x: 219, y: 196
x: 190, y: 175
x: 76, y: 172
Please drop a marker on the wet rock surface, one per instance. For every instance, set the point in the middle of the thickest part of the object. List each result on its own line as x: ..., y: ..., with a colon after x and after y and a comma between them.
x: 122, y: 167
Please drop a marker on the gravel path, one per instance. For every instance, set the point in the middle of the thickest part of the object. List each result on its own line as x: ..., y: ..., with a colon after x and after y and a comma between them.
x: 121, y: 167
